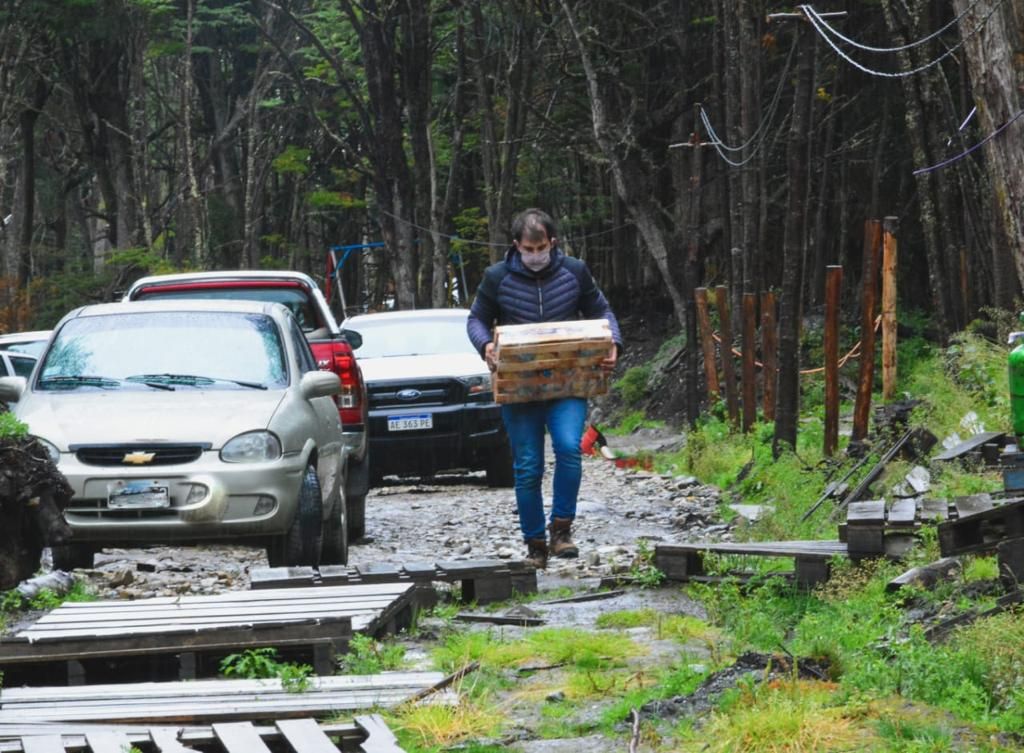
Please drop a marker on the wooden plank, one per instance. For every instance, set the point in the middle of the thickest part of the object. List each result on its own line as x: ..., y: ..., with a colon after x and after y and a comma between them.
x: 872, y: 251
x: 971, y: 444
x: 889, y: 266
x: 824, y: 548
x: 271, y: 577
x: 239, y: 737
x: 166, y: 740
x: 305, y: 736
x: 934, y: 510
x: 379, y: 739
x: 42, y: 744
x: 501, y: 619
x: 108, y: 741
x: 902, y: 512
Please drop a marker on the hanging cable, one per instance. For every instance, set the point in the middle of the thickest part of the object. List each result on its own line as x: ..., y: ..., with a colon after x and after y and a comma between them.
x: 957, y: 158
x: 765, y: 120
x: 816, y: 21
x: 867, y: 48
x: 721, y: 147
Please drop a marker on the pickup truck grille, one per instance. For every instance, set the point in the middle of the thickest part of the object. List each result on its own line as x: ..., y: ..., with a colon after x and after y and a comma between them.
x: 408, y: 394
x: 163, y: 454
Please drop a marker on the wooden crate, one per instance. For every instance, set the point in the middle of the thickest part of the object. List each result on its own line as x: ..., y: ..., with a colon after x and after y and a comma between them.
x: 551, y: 360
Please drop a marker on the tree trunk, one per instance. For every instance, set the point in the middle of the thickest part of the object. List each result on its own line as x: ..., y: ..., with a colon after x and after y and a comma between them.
x: 787, y: 406
x: 996, y: 68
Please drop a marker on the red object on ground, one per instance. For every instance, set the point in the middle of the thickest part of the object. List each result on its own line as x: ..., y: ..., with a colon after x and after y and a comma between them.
x: 592, y: 441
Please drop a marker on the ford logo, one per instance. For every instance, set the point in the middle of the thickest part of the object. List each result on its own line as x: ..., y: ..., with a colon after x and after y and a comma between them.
x: 408, y: 394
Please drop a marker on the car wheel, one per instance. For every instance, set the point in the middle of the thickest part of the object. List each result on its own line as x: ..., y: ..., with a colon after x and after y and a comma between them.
x: 357, y: 483
x: 304, y: 540
x: 500, y: 472
x: 72, y: 556
x: 335, y: 550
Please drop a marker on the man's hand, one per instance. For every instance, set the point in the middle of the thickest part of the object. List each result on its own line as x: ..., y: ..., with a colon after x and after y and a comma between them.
x: 608, y: 364
x: 490, y: 356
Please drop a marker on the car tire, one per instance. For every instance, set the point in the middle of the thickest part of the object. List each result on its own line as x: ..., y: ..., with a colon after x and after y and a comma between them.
x: 72, y: 556
x: 357, y: 482
x: 336, y: 537
x: 303, y: 542
x: 499, y: 469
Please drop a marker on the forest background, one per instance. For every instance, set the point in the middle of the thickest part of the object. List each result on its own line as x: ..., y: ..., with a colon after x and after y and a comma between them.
x: 679, y: 144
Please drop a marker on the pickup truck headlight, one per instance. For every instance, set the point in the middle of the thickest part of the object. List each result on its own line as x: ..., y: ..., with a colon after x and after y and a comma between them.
x: 251, y: 447
x: 478, y: 386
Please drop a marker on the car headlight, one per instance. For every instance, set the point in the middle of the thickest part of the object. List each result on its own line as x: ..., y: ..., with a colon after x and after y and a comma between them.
x: 478, y: 386
x: 251, y: 447
x: 51, y: 449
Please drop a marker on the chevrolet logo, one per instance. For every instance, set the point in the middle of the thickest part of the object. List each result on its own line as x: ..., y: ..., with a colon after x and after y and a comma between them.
x: 138, y: 457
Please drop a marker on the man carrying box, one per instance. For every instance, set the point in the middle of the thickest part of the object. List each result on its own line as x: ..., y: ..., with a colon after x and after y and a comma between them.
x: 537, y: 282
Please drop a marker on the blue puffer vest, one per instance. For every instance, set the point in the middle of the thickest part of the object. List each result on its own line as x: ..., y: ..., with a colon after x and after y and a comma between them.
x: 512, y: 294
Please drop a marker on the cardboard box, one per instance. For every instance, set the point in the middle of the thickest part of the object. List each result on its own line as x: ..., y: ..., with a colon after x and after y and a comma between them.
x: 551, y: 360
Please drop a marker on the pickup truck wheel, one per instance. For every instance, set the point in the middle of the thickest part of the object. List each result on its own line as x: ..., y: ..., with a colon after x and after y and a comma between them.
x: 356, y: 485
x: 72, y: 556
x: 499, y: 468
x: 304, y: 540
x: 356, y: 507
x: 335, y: 549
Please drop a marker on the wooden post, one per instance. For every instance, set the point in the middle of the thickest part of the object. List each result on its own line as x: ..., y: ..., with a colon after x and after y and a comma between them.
x: 749, y: 352
x: 869, y: 290
x: 732, y: 402
x: 833, y: 286
x: 707, y: 343
x: 889, y: 226
x: 769, y: 353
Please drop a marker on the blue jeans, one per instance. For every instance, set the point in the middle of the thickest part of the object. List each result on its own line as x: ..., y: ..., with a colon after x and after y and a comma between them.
x: 525, y: 422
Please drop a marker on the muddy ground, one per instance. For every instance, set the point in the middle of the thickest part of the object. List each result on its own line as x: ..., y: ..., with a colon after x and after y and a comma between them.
x: 458, y: 517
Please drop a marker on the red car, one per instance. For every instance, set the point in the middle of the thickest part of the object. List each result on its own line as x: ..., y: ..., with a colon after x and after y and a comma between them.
x: 332, y: 349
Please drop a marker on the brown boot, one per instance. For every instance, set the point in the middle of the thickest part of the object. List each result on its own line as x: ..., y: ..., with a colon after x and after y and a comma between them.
x: 537, y: 553
x: 561, y: 539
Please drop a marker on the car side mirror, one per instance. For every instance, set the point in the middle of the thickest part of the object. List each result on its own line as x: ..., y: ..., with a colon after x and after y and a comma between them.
x: 12, y: 388
x: 319, y: 384
x: 354, y: 338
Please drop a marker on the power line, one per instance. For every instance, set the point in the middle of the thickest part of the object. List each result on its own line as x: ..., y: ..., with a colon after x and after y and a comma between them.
x: 721, y: 147
x: 867, y: 48
x: 817, y: 22
x: 957, y: 158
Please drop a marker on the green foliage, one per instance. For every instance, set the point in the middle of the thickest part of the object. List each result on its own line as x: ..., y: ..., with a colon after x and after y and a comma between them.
x: 631, y: 422
x: 643, y: 571
x: 367, y: 656
x: 11, y: 427
x: 294, y: 160
x: 633, y: 385
x: 262, y: 663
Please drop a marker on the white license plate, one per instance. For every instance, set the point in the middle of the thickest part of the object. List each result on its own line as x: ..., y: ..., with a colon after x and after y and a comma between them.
x: 137, y: 495
x: 410, y: 423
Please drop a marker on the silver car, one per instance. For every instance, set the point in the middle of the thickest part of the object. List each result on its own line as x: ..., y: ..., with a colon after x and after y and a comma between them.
x: 184, y: 421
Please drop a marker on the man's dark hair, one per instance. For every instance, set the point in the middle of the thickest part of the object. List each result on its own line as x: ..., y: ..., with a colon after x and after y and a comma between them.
x: 530, y: 222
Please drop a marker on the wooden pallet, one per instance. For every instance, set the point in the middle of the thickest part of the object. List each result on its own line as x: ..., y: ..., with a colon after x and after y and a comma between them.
x: 186, y: 636
x: 367, y: 733
x: 684, y: 562
x: 205, y: 701
x: 982, y: 528
x: 481, y: 581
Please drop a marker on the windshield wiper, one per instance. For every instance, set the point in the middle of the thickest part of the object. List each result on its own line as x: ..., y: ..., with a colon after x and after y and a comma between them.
x: 78, y: 380
x: 141, y: 379
x: 191, y: 380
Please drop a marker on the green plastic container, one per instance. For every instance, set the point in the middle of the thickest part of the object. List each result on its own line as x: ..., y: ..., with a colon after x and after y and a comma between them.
x: 1016, y: 366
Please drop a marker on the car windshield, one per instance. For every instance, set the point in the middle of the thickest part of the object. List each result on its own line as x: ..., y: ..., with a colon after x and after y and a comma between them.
x: 31, y: 347
x: 388, y: 336
x: 166, y: 349
x: 294, y: 298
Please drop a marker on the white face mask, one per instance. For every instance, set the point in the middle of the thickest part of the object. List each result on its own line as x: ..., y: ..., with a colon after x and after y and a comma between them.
x: 536, y: 262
